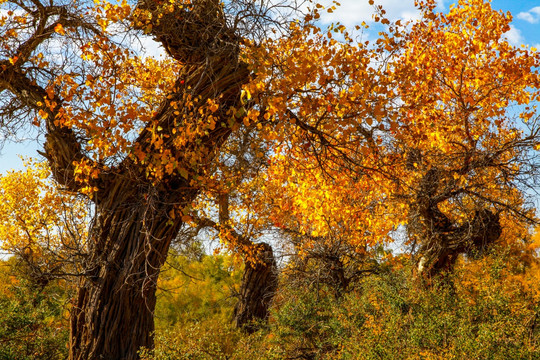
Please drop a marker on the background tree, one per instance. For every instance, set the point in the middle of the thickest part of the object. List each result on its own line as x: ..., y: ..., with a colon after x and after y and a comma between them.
x: 222, y: 211
x: 33, y: 317
x: 414, y: 129
x: 467, y: 138
x: 41, y: 225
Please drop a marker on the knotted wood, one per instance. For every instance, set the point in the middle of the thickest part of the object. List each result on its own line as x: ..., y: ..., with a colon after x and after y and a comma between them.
x: 442, y: 241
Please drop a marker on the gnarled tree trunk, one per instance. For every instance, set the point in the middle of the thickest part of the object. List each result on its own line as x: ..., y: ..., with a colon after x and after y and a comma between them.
x: 133, y: 229
x: 441, y: 240
x: 129, y: 240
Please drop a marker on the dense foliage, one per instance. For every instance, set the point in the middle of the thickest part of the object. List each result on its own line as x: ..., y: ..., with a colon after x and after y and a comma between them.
x: 487, y: 309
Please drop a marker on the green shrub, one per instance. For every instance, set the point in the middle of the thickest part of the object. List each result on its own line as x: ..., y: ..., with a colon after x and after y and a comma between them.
x: 485, y: 310
x: 33, y: 320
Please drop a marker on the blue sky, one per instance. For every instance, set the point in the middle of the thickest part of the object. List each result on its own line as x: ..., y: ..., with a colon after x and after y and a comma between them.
x: 526, y: 20
x: 525, y: 30
x: 525, y: 24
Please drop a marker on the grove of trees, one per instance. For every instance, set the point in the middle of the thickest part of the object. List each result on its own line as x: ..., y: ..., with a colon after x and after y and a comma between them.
x: 362, y: 199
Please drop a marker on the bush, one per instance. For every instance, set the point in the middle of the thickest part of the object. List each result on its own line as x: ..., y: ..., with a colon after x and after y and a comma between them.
x: 392, y: 316
x: 206, y: 340
x: 487, y: 309
x: 33, y: 320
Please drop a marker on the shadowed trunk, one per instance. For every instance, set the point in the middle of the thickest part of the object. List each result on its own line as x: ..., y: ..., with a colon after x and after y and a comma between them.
x: 259, y: 284
x: 112, y: 315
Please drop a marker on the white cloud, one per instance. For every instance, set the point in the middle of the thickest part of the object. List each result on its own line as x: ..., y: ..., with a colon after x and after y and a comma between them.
x: 149, y: 47
x: 353, y: 12
x: 527, y: 16
x: 514, y: 36
x: 532, y: 16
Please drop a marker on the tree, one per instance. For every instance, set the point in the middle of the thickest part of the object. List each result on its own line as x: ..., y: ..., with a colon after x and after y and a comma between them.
x: 260, y: 275
x: 42, y: 225
x: 468, y: 138
x: 410, y: 134
x: 134, y: 134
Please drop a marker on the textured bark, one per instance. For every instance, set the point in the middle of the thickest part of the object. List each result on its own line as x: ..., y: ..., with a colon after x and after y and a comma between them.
x: 440, y: 254
x: 259, y: 284
x: 193, y: 34
x: 443, y: 241
x: 112, y: 316
x: 113, y: 312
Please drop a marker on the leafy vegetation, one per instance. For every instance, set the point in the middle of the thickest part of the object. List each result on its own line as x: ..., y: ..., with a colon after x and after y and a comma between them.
x: 487, y: 311
x: 33, y: 319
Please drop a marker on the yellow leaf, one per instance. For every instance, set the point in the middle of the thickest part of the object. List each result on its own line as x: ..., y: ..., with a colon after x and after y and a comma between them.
x: 59, y: 29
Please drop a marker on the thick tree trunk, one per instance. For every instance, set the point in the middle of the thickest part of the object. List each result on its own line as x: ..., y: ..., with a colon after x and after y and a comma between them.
x: 112, y: 315
x: 259, y: 284
x: 443, y: 241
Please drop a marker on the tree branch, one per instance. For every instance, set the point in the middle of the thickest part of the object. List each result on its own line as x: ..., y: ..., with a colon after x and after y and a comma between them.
x: 62, y: 148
